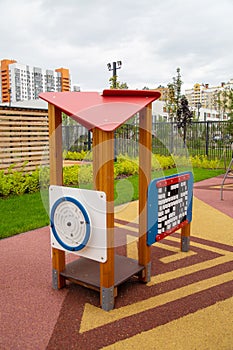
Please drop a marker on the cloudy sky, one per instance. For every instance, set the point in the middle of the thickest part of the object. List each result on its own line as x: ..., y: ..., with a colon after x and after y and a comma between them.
x: 151, y: 38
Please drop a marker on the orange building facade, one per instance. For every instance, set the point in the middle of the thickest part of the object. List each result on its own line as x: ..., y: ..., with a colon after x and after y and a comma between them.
x: 5, y: 80
x: 21, y: 82
x: 65, y: 78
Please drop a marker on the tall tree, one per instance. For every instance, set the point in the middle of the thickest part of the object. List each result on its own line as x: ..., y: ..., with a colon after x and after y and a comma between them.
x: 177, y: 105
x: 223, y: 101
x: 177, y: 82
x: 174, y: 95
x: 184, y: 116
x: 229, y: 128
x: 170, y: 102
x: 230, y: 103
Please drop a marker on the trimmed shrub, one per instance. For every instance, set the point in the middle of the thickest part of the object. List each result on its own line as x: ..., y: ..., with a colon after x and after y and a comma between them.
x: 18, y: 182
x: 203, y: 162
x: 125, y: 166
x: 77, y: 156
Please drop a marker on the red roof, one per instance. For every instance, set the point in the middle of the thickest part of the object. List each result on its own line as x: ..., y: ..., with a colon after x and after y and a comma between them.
x: 107, y: 111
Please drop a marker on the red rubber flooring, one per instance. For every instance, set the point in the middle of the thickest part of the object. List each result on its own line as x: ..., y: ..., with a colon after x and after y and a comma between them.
x: 187, y: 304
x: 209, y: 192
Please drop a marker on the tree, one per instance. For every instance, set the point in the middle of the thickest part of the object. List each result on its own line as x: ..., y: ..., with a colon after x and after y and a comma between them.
x: 224, y: 101
x: 230, y: 104
x: 66, y: 120
x: 170, y: 101
x: 214, y: 100
x: 177, y: 82
x: 229, y: 128
x: 184, y: 116
x: 177, y: 105
x: 174, y: 95
x: 115, y: 84
x: 225, y: 98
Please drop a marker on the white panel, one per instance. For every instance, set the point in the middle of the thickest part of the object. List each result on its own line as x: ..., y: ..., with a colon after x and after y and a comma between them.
x: 78, y: 221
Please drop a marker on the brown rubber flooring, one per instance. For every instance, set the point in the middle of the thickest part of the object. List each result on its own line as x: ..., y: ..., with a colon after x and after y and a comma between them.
x: 188, y: 304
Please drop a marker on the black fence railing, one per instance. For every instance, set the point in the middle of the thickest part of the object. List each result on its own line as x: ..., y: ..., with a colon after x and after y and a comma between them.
x: 75, y: 138
x: 210, y: 138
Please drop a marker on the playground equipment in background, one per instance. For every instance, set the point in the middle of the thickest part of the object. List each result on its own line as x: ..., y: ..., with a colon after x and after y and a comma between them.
x: 228, y: 173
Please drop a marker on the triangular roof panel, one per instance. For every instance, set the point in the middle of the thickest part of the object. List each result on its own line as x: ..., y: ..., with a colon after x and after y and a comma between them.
x: 106, y: 111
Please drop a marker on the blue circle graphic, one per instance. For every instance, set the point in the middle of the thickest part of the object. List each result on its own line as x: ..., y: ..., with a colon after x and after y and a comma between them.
x: 87, y: 221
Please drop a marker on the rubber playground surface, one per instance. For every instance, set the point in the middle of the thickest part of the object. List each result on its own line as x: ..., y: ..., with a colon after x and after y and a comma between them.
x: 188, y: 304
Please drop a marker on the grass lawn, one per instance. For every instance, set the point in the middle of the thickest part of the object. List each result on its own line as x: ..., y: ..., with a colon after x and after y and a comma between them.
x: 30, y: 211
x: 21, y: 214
x: 127, y: 189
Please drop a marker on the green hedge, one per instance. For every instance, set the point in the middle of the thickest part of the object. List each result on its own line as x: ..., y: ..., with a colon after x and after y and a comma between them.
x: 77, y: 156
x: 19, y: 182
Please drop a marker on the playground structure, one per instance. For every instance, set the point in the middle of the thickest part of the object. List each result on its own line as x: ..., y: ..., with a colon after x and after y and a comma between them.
x: 228, y: 173
x: 102, y: 114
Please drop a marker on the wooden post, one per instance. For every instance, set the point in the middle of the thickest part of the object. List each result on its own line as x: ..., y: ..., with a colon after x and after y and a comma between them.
x: 185, y: 237
x: 56, y: 178
x: 103, y: 172
x: 145, y: 148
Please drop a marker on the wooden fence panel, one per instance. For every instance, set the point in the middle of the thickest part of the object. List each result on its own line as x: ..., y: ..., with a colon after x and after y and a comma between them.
x: 24, y: 138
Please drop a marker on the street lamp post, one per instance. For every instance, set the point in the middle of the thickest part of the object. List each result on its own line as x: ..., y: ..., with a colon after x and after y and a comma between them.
x: 113, y: 68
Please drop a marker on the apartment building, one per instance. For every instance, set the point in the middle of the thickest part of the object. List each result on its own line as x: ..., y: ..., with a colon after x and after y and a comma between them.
x: 163, y: 91
x: 202, y: 95
x: 205, y: 96
x: 5, y: 80
x: 20, y: 82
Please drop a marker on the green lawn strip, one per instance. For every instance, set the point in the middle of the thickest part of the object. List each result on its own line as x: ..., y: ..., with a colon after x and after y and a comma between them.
x: 22, y: 213
x: 203, y: 174
x: 30, y: 211
x: 126, y: 190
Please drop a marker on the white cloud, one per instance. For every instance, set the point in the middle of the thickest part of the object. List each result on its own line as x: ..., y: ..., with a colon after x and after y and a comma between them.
x: 151, y: 38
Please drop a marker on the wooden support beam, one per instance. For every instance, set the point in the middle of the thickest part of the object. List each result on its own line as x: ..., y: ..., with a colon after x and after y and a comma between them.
x: 103, y: 172
x: 56, y: 178
x: 55, y: 145
x: 58, y: 265
x: 185, y: 238
x: 145, y: 148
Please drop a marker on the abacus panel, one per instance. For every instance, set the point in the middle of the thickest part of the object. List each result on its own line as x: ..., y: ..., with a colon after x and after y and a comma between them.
x: 169, y: 205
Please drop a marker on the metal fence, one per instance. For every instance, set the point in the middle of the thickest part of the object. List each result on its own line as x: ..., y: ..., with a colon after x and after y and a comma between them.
x: 210, y: 138
x: 75, y: 138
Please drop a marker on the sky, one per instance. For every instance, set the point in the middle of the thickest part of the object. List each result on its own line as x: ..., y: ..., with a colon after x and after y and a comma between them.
x: 152, y: 38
